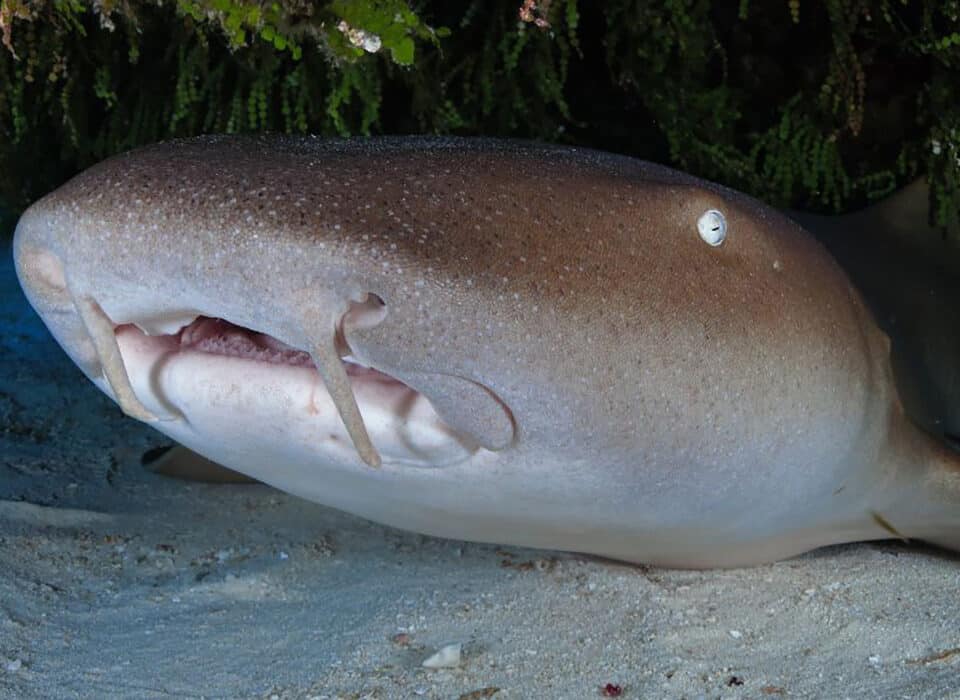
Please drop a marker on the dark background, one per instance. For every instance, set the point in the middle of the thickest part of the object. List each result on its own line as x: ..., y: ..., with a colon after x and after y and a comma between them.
x: 818, y: 105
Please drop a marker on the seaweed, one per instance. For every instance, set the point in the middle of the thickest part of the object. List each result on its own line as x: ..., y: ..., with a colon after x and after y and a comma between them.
x: 819, y: 104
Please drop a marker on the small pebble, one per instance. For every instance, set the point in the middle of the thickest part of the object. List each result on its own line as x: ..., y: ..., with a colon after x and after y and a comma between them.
x: 14, y: 666
x: 736, y: 634
x: 446, y: 657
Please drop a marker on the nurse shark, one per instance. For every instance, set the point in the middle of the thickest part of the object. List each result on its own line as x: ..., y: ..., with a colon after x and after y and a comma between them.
x: 492, y: 341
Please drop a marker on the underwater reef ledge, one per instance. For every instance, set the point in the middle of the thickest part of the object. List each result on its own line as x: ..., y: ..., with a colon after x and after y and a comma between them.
x: 820, y: 105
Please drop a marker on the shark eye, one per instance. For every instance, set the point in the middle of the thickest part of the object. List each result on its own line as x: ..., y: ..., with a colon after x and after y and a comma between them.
x: 712, y: 226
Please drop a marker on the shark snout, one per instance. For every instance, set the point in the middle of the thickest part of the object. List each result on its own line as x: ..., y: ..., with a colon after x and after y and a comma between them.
x: 42, y: 275
x: 154, y: 360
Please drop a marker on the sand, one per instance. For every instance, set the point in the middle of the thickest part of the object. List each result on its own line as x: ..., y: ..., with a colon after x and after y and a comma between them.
x: 115, y: 582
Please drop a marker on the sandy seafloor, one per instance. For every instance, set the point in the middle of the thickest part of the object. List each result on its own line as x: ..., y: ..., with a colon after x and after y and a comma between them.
x: 117, y: 583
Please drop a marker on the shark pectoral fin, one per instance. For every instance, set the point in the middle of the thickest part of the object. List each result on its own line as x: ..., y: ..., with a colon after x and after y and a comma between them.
x: 468, y: 407
x: 334, y: 375
x: 179, y: 462
x: 100, y: 329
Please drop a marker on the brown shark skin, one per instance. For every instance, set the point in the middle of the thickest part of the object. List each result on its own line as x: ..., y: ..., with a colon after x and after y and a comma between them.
x: 570, y: 284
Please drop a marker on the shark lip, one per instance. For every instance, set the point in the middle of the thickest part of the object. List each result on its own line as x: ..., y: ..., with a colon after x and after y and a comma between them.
x: 220, y: 337
x: 212, y: 371
x: 217, y: 336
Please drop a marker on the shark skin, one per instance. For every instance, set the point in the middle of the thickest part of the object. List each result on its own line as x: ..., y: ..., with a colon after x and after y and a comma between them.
x: 909, y: 274
x: 492, y: 341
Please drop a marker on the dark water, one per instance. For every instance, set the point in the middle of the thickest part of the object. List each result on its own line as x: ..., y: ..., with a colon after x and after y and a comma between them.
x: 7, y: 222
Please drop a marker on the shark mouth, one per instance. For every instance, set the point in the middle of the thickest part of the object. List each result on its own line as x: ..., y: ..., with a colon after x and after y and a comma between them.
x: 219, y: 337
x: 210, y: 372
x: 202, y: 380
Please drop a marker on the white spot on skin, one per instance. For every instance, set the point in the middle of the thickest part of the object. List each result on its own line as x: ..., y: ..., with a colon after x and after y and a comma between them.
x: 712, y: 226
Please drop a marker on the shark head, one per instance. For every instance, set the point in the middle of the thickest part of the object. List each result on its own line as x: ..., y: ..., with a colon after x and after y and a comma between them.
x: 487, y: 340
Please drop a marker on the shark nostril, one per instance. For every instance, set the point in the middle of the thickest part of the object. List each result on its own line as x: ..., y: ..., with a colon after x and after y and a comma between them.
x: 365, y: 314
x: 365, y: 311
